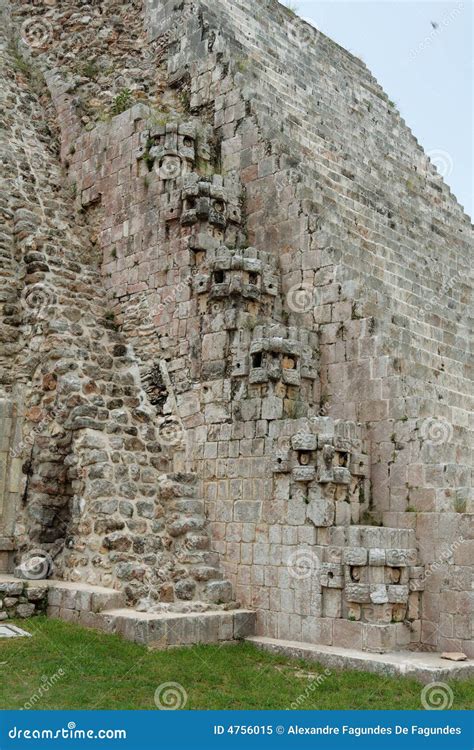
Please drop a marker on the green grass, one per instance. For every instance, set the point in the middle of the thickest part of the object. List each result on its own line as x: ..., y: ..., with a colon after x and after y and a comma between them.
x: 105, y: 672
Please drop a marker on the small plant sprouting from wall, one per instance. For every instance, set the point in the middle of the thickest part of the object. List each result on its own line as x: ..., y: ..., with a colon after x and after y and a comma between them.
x: 185, y: 99
x: 90, y: 70
x: 292, y: 7
x: 460, y: 505
x: 122, y: 102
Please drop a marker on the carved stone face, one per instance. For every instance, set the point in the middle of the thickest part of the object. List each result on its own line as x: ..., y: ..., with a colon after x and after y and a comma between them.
x: 170, y: 167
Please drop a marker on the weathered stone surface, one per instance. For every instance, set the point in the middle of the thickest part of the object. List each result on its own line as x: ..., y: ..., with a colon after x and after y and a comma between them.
x: 206, y: 349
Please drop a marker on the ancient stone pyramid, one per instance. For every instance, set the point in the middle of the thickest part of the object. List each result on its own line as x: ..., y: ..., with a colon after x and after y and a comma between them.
x: 234, y: 363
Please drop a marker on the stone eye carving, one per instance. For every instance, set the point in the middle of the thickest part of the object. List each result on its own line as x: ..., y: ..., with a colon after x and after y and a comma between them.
x: 355, y: 574
x: 304, y: 458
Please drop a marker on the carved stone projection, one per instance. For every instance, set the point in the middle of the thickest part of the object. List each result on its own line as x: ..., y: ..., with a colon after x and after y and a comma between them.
x: 170, y: 147
x: 211, y: 207
x: 202, y: 206
x: 280, y: 354
x: 373, y: 576
x: 237, y: 280
x: 326, y: 460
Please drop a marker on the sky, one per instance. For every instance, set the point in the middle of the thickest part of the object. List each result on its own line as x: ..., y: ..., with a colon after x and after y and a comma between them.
x: 426, y: 70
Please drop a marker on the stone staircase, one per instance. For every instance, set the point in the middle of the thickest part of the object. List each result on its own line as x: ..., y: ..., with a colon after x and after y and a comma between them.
x: 104, y: 609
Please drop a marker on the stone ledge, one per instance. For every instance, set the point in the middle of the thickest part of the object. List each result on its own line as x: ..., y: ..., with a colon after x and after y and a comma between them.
x: 164, y: 630
x: 425, y: 667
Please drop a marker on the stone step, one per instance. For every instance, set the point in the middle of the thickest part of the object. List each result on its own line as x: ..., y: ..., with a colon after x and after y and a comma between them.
x: 425, y: 667
x: 66, y: 595
x: 171, y: 629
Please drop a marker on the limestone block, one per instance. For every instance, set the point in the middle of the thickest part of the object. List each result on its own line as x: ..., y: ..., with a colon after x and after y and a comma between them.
x: 401, y: 557
x: 25, y: 610
x: 357, y: 592
x: 347, y: 634
x: 355, y: 556
x: 341, y: 475
x: 378, y: 593
x: 320, y: 511
x: 397, y: 594
x: 377, y: 557
x: 343, y: 513
x: 303, y: 473
x: 332, y: 603
x: 331, y: 575
x: 379, y: 638
x: 281, y: 463
x: 219, y: 591
x: 304, y: 441
x: 272, y: 408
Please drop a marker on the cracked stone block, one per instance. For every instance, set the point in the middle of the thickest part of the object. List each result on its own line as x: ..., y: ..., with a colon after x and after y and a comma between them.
x: 219, y: 591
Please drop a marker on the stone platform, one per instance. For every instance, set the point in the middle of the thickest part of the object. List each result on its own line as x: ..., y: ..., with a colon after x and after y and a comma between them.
x: 425, y: 667
x: 104, y: 609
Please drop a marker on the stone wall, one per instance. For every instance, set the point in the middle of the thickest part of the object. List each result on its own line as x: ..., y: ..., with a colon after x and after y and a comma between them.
x: 21, y: 600
x: 285, y: 378
x: 89, y: 478
x: 339, y: 188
